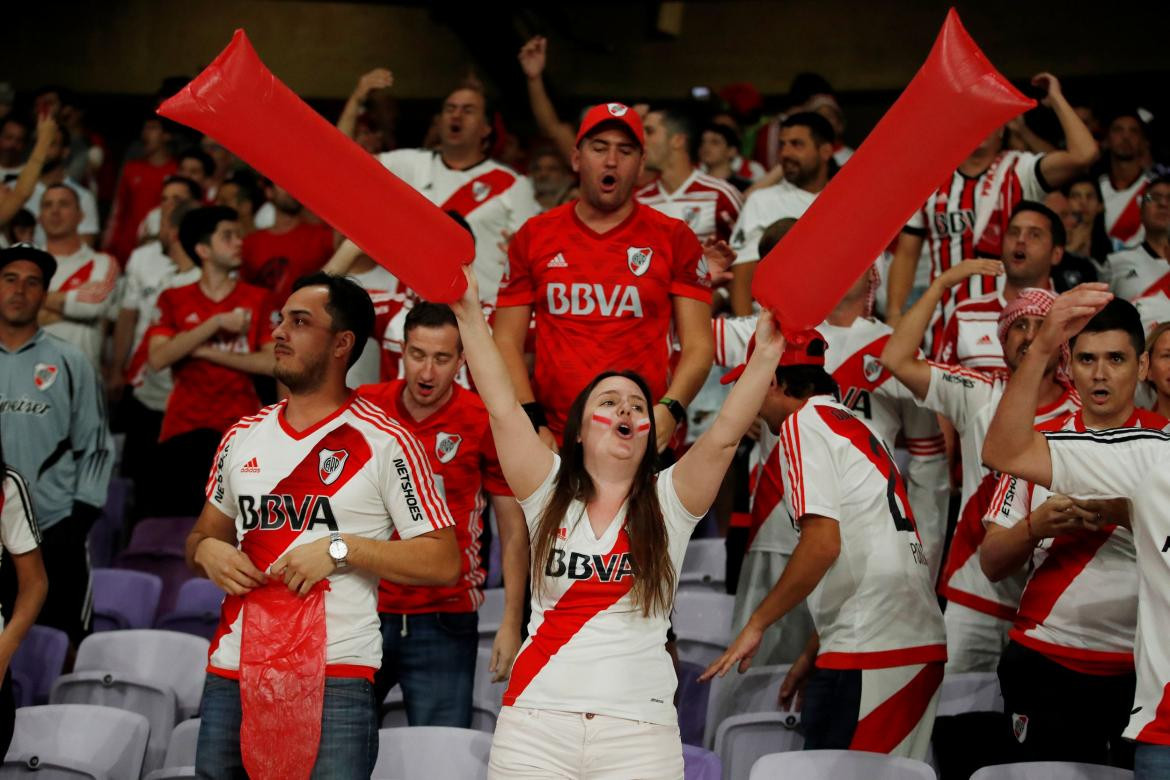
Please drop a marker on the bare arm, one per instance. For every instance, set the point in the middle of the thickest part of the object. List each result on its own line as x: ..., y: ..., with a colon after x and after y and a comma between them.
x: 344, y: 257
x: 902, y: 270
x: 514, y: 559
x: 774, y: 176
x: 699, y: 473
x: 379, y: 78
x: 32, y: 587
x: 692, y: 321
x: 900, y: 355
x: 212, y: 553
x: 26, y: 182
x: 532, y: 61
x: 260, y: 362
x: 432, y: 558
x: 1080, y: 151
x: 167, y: 350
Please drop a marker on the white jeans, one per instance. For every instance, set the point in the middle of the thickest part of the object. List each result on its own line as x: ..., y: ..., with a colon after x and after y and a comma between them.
x: 547, y: 744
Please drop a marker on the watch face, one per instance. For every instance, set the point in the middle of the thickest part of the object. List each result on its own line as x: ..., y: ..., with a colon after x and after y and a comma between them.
x: 337, y: 550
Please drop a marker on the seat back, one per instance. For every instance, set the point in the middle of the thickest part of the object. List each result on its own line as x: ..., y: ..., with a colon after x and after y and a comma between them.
x: 840, y: 765
x: 170, y: 567
x: 692, y: 700
x: 161, y: 534
x: 742, y: 739
x: 702, y: 621
x: 700, y: 764
x: 969, y: 692
x: 124, y: 692
x: 1051, y: 770
x: 166, y: 658
x: 756, y: 690
x: 433, y: 752
x: 38, y: 661
x: 199, y: 595
x: 705, y: 564
x: 491, y: 612
x: 486, y: 696
x: 109, y: 743
x: 124, y: 599
x: 181, y: 748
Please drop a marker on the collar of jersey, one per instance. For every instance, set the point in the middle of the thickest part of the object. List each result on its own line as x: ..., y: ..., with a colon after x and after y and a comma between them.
x: 613, y: 231
x: 299, y: 435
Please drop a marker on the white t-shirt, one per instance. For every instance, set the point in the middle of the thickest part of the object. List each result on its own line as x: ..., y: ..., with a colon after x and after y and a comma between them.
x: 1123, y: 211
x: 492, y: 197
x: 589, y: 648
x: 357, y: 472
x: 18, y: 522
x: 367, y: 369
x: 875, y: 607
x: 89, y: 280
x: 1137, y: 272
x: 762, y: 208
x: 1134, y: 464
x: 89, y: 211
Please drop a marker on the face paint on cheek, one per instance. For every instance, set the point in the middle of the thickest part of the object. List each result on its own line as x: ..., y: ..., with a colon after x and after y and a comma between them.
x: 603, y: 420
x: 642, y: 427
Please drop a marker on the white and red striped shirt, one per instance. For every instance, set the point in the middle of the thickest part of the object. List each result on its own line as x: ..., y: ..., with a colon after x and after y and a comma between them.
x: 1123, y: 210
x: 357, y: 472
x: 971, y: 336
x: 1079, y: 606
x: 875, y: 607
x: 89, y: 280
x: 710, y: 206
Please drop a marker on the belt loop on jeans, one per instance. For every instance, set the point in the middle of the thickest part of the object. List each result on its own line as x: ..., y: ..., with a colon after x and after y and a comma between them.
x: 403, y: 632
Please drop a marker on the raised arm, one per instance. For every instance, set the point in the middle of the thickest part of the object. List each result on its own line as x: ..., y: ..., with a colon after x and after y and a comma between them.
x: 26, y: 182
x: 1013, y: 445
x: 1081, y: 151
x: 524, y: 458
x: 692, y: 321
x: 699, y: 473
x: 514, y: 560
x: 900, y: 356
x: 344, y: 257
x: 532, y: 60
x: 902, y: 270
x: 378, y: 78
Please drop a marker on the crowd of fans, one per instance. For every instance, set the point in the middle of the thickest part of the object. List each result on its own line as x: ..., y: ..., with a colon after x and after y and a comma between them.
x: 147, y: 325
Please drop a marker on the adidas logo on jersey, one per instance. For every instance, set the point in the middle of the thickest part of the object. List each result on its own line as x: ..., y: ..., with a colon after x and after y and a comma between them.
x: 985, y: 339
x: 192, y: 319
x: 1132, y: 274
x: 251, y: 467
x: 558, y: 261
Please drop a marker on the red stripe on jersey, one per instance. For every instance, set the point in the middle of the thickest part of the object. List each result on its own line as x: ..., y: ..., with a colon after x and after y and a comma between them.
x: 580, y: 603
x: 1160, y: 286
x: 769, y: 491
x: 78, y: 277
x: 1097, y: 662
x: 1129, y: 221
x: 1067, y: 558
x: 969, y: 533
x: 884, y: 728
x: 789, y: 440
x: 883, y: 659
x: 1157, y: 731
x: 851, y: 373
x: 929, y: 445
x: 478, y: 191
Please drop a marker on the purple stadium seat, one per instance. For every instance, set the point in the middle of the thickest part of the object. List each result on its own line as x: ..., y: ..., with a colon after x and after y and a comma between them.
x: 38, y: 661
x: 124, y: 599
x: 196, y: 609
x: 161, y: 534
x: 700, y: 764
x: 157, y: 547
x: 106, y: 534
x: 692, y: 703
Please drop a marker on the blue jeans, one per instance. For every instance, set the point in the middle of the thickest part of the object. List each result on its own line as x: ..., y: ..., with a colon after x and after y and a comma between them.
x: 349, y: 731
x: 432, y: 656
x: 1151, y: 762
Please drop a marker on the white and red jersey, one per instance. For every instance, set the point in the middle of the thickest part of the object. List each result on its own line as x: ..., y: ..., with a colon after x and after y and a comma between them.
x: 458, y: 442
x: 88, y: 278
x: 708, y: 205
x: 1123, y: 210
x: 968, y: 399
x: 875, y: 606
x: 380, y: 284
x: 589, y: 648
x: 355, y: 472
x: 492, y: 197
x: 970, y: 338
x: 1134, y: 464
x: 1079, y: 606
x: 760, y: 210
x: 968, y: 217
x: 602, y: 300
x: 18, y: 522
x: 1139, y: 272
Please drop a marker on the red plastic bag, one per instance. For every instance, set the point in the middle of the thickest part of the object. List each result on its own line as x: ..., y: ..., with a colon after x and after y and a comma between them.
x: 238, y: 101
x: 282, y: 681
x: 954, y: 101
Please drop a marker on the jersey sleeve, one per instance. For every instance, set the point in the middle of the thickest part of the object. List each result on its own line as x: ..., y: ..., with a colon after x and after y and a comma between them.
x: 956, y: 393
x: 90, y: 300
x: 1011, y: 502
x: 89, y: 435
x: 731, y: 339
x: 219, y: 490
x: 89, y: 213
x: 1102, y: 464
x: 946, y: 349
x: 916, y: 225
x: 679, y: 522
x: 727, y: 208
x: 409, y: 492
x: 518, y: 287
x: 132, y: 287
x: 262, y: 323
x: 401, y: 163
x: 689, y: 277
x: 165, y: 321
x: 521, y: 203
x: 811, y: 486
x: 534, y: 504
x: 745, y: 237
x: 1032, y: 183
x: 18, y: 522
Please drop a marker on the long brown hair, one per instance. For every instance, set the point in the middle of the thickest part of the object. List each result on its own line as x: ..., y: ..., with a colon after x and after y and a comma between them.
x: 654, y: 577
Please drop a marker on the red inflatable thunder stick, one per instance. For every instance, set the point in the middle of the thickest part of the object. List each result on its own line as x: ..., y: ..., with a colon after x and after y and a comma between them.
x: 238, y: 101
x: 955, y: 100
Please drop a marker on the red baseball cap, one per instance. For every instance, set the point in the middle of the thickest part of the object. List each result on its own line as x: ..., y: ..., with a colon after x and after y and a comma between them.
x: 612, y: 112
x: 804, y: 348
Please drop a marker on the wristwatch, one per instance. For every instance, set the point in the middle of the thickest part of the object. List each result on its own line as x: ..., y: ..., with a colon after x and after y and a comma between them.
x: 338, y: 549
x: 677, y: 410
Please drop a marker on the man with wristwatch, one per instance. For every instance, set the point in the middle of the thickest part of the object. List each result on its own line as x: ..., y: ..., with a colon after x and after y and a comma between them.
x: 304, y: 496
x: 608, y: 279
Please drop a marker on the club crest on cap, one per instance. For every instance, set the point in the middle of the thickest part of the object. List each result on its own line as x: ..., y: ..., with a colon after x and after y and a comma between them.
x: 617, y: 109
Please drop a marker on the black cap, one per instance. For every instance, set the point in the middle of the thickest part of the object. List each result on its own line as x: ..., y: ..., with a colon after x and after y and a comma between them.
x: 43, y: 260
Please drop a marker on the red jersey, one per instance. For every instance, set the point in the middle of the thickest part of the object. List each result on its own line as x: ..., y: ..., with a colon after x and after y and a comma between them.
x: 139, y: 191
x: 602, y: 300
x: 458, y: 442
x: 275, y: 260
x: 207, y: 395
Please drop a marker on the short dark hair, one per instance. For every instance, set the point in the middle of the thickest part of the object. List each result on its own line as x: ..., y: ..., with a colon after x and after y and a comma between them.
x: 63, y: 186
x: 1133, y: 113
x: 249, y: 188
x: 1056, y: 224
x: 1161, y: 181
x: 430, y: 315
x: 806, y: 381
x: 349, y: 306
x: 679, y: 122
x: 773, y: 233
x: 193, y: 188
x: 818, y: 127
x: 199, y: 225
x: 1066, y: 188
x: 203, y: 158
x: 1118, y: 314
x: 729, y: 136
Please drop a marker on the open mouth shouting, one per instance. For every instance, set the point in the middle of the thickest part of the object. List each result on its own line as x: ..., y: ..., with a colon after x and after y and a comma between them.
x: 609, y: 183
x: 624, y: 429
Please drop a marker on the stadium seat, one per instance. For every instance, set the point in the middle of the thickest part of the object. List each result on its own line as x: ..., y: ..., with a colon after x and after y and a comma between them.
x: 756, y: 690
x: 969, y: 692
x: 705, y: 565
x: 106, y: 534
x: 1051, y: 770
x: 840, y: 765
x: 394, y: 710
x: 741, y: 739
x: 487, y: 697
x: 76, y: 741
x: 491, y: 613
x: 37, y: 662
x: 700, y: 764
x: 157, y: 546
x: 180, y: 757
x: 702, y: 621
x: 432, y: 753
x: 692, y: 703
x: 196, y: 609
x: 124, y: 599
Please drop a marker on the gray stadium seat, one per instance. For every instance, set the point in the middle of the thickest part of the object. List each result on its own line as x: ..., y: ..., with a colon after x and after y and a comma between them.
x: 756, y: 690
x: 1051, y: 770
x: 702, y: 621
x: 705, y: 565
x: 54, y: 742
x: 840, y: 765
x: 432, y: 753
x: 742, y: 739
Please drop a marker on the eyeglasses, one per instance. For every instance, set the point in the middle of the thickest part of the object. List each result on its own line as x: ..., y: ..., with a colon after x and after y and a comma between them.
x: 1161, y: 200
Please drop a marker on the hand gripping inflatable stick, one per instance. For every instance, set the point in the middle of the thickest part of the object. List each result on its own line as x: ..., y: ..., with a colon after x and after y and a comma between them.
x: 956, y: 99
x: 238, y: 101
